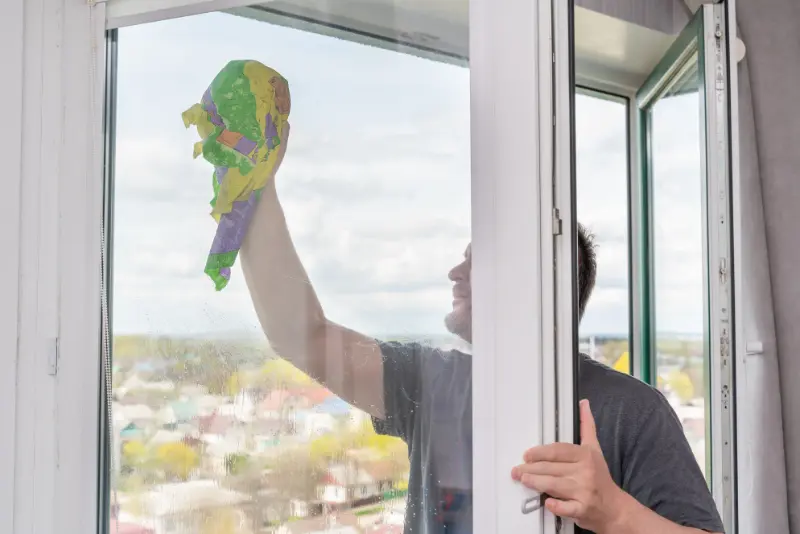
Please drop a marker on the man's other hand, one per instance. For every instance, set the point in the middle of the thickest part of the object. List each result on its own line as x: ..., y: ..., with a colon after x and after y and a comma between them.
x: 575, y: 477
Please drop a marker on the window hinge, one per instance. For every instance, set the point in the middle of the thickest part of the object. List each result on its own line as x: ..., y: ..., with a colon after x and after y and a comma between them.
x: 556, y: 222
x: 52, y: 356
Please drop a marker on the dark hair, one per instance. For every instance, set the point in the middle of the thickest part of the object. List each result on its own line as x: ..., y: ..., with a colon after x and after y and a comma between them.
x: 587, y: 267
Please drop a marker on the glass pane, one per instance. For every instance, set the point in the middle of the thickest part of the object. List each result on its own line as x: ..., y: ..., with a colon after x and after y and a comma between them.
x: 677, y: 224
x: 213, y: 431
x: 601, y: 138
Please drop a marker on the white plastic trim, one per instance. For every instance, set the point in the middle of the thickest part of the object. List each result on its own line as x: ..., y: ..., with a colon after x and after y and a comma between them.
x: 508, y: 174
x: 12, y: 51
x: 53, y: 461
x: 560, y: 321
x: 722, y: 329
x: 546, y: 177
x: 121, y: 13
x: 754, y: 348
x: 744, y: 453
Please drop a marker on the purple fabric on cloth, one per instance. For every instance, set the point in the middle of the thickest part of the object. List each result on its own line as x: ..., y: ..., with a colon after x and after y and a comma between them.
x: 233, y: 226
x: 246, y: 147
x: 211, y: 108
x: 270, y: 132
x: 220, y: 173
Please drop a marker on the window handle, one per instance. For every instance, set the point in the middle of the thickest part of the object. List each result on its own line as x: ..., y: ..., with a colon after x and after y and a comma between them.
x: 531, y: 504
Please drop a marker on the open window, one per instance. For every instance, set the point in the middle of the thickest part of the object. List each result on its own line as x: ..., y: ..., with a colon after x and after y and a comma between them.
x: 686, y: 242
x: 676, y: 263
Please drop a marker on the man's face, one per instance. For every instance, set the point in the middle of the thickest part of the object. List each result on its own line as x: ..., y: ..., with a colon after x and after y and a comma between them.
x: 459, y: 320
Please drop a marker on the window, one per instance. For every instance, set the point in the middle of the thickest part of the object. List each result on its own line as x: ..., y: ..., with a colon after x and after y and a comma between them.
x: 601, y: 158
x: 681, y: 355
x: 376, y: 193
x: 686, y: 181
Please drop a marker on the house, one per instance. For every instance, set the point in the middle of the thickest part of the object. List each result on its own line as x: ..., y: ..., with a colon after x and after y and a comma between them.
x: 284, y: 403
x: 176, y: 412
x: 342, y: 411
x: 185, y: 507
x: 136, y: 383
x: 131, y: 432
x: 216, y: 427
x: 244, y: 404
x: 163, y: 437
x: 218, y: 450
x: 334, y: 406
x: 137, y: 413
x: 267, y: 434
x: 281, y: 404
x: 310, y: 424
x: 349, y: 484
x: 207, y: 404
x: 193, y: 391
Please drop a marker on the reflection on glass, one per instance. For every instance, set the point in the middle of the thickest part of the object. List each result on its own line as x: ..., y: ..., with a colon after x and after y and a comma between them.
x: 677, y: 226
x: 601, y: 140
x: 213, y: 431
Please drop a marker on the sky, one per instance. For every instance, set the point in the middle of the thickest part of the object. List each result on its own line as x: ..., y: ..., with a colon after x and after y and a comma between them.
x: 375, y: 185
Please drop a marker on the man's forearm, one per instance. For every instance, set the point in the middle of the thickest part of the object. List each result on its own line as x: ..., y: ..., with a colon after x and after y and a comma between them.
x: 285, y: 302
x: 636, y: 518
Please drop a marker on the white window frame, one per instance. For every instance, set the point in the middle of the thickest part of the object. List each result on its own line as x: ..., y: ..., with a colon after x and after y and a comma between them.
x: 722, y: 267
x: 51, y: 452
x: 11, y: 56
x: 50, y: 336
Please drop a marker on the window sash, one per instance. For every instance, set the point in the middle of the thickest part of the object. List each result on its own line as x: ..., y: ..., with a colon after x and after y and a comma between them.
x: 721, y: 216
x: 55, y: 441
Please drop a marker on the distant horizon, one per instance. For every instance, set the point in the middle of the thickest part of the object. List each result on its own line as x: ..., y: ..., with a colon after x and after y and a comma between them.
x: 258, y: 336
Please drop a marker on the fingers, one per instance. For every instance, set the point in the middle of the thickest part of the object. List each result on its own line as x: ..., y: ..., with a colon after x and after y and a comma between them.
x: 554, y: 469
x: 555, y: 452
x: 564, y: 508
x: 559, y: 487
x: 588, y: 429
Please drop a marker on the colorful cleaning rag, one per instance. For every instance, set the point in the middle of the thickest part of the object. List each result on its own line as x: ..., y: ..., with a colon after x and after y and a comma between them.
x: 240, y: 120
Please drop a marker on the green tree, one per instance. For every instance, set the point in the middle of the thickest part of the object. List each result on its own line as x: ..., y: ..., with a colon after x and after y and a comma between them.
x: 296, y: 475
x: 236, y: 464
x: 177, y: 459
x: 279, y: 373
x: 134, y: 454
x: 326, y: 448
x: 234, y: 384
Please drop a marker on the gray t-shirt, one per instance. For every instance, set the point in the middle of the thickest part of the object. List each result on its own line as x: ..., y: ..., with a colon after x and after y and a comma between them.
x: 428, y: 397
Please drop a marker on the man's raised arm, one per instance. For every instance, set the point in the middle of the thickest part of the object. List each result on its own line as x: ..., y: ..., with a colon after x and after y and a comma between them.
x: 346, y: 362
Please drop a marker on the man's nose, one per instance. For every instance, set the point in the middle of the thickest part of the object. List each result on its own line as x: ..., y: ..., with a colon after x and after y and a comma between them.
x: 457, y: 273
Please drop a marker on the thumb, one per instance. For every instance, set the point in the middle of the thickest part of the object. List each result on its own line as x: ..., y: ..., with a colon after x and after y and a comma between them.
x: 588, y: 429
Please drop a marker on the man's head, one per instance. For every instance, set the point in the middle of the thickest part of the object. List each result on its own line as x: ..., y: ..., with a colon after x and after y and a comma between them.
x: 459, y: 320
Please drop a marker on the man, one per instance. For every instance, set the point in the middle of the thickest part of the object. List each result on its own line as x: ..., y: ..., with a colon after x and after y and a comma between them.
x: 633, y: 472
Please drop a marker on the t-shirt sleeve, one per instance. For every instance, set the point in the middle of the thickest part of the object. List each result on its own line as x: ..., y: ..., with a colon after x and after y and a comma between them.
x: 661, y: 472
x: 401, y: 389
